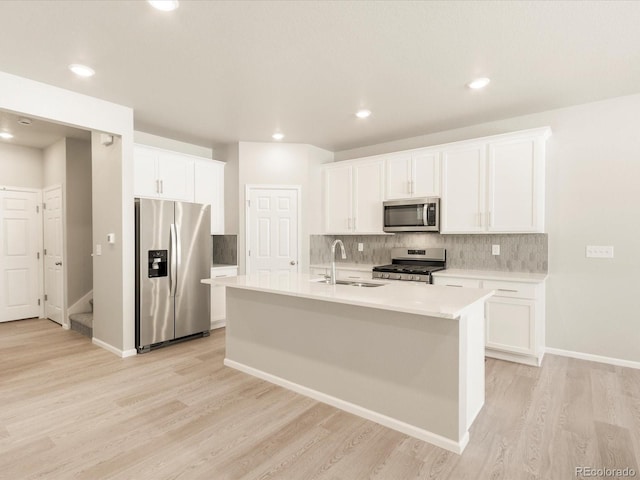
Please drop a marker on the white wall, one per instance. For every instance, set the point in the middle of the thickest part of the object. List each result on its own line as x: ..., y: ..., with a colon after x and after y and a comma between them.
x: 279, y: 164
x: 20, y: 166
x: 114, y: 323
x: 55, y: 164
x: 593, y: 198
x: 78, y: 219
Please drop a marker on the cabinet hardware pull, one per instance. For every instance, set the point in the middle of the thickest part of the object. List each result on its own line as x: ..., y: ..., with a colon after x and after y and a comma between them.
x: 506, y: 290
x: 355, y: 223
x: 353, y: 277
x: 349, y: 223
x: 161, y: 186
x: 218, y: 276
x: 157, y: 186
x: 450, y: 285
x: 409, y: 186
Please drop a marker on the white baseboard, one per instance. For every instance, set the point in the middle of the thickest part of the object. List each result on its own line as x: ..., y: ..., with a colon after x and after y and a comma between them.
x: 218, y: 324
x: 394, y: 424
x: 514, y: 357
x: 112, y: 349
x: 594, y: 358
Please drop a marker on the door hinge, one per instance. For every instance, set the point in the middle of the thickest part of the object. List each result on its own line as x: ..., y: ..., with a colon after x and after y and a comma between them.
x: 249, y: 203
x: 44, y: 206
x: 46, y: 297
x: 249, y: 252
x: 38, y: 302
x: 37, y: 208
x: 38, y: 255
x: 45, y: 251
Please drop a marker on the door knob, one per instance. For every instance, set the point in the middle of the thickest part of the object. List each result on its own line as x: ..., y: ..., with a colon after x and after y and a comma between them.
x: 292, y: 262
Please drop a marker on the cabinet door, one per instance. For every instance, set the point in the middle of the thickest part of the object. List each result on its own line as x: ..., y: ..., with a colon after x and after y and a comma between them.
x: 209, y: 189
x: 425, y: 174
x: 343, y: 274
x: 145, y: 177
x: 338, y: 186
x: 515, y: 182
x: 368, y: 196
x: 456, y: 282
x: 510, y: 325
x: 175, y: 173
x: 218, y: 296
x: 463, y: 191
x: 398, y: 176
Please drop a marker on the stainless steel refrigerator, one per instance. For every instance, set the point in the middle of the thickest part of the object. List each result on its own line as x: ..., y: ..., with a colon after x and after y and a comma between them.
x: 173, y: 253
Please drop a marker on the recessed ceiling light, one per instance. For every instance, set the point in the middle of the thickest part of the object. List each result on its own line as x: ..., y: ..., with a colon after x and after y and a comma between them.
x: 82, y: 70
x: 164, y: 5
x: 363, y: 113
x: 6, y: 135
x: 479, y: 83
x: 277, y: 136
x: 25, y: 121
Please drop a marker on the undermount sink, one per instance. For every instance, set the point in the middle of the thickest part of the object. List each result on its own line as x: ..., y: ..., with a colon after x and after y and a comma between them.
x: 347, y: 282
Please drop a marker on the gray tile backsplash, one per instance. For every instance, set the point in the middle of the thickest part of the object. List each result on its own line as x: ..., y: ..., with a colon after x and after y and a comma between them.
x: 225, y: 249
x: 518, y: 252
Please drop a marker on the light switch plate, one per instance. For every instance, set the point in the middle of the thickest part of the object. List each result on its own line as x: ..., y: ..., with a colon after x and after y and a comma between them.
x: 599, y: 251
x: 98, y: 249
x: 361, y: 247
x: 495, y: 249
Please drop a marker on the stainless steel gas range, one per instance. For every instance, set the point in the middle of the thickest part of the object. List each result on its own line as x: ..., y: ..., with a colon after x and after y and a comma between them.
x: 412, y: 264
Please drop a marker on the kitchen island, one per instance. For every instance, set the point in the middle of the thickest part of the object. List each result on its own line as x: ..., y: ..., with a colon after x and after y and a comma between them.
x: 407, y: 355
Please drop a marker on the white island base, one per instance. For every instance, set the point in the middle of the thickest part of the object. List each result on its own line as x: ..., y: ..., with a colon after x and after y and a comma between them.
x: 422, y: 375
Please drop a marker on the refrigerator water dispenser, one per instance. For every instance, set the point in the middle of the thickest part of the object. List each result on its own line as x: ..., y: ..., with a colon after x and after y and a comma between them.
x: 157, y: 263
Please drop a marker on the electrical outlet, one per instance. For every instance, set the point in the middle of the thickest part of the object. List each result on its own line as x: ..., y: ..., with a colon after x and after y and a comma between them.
x: 495, y: 249
x: 361, y: 247
x: 599, y: 251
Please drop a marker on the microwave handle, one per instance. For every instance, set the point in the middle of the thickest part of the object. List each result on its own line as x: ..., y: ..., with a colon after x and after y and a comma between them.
x: 424, y: 214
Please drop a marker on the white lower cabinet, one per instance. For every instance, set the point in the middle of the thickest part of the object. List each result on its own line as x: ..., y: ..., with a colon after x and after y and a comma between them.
x: 218, y: 296
x: 514, y: 317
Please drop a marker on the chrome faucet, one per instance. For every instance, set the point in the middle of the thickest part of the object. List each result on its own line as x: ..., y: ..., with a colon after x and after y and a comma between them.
x: 332, y: 277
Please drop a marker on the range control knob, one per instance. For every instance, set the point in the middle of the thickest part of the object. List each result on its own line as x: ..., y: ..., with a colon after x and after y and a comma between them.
x: 385, y: 275
x: 397, y: 276
x: 415, y: 277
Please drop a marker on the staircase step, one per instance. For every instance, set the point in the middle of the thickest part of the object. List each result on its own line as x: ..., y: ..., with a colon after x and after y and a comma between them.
x: 82, y: 323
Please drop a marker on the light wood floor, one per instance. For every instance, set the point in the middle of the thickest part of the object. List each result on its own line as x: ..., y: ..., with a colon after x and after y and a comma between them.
x: 69, y: 409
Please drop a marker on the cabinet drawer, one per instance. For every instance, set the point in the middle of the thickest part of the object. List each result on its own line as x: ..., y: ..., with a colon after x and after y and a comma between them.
x: 456, y: 282
x: 318, y: 272
x: 353, y: 275
x: 511, y: 289
x: 224, y: 272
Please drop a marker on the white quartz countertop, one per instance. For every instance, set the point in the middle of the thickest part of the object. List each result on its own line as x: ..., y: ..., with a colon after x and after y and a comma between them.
x: 407, y: 297
x: 360, y: 267
x: 523, y: 277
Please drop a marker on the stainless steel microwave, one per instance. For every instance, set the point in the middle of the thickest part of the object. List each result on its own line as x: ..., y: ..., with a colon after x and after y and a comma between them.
x: 412, y: 215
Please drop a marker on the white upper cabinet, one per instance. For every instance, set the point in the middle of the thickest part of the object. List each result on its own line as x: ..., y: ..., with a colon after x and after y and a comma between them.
x: 209, y: 189
x: 516, y: 185
x: 162, y: 174
x: 368, y: 187
x: 338, y: 190
x: 353, y: 195
x: 412, y: 174
x: 168, y: 175
x: 463, y: 189
x: 495, y: 185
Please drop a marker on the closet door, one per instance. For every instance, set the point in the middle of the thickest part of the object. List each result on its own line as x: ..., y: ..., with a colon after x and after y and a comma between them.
x: 19, y: 254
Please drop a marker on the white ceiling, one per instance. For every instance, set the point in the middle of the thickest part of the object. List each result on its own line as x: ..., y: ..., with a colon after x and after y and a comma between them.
x: 40, y: 134
x: 224, y: 71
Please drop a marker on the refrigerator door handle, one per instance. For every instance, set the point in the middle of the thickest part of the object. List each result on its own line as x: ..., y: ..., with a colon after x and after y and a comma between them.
x: 176, y: 228
x: 173, y: 253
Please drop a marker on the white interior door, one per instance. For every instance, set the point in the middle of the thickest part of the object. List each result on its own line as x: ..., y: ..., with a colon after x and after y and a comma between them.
x: 272, y: 221
x: 20, y: 235
x: 53, y: 255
